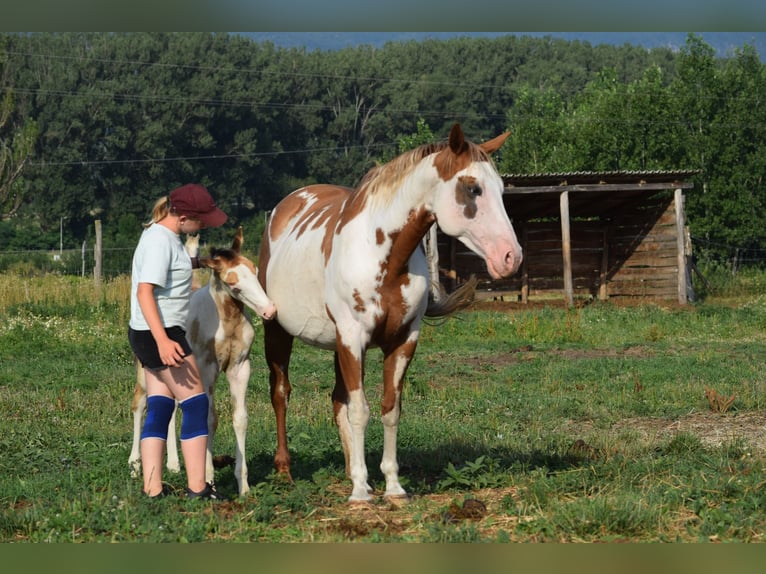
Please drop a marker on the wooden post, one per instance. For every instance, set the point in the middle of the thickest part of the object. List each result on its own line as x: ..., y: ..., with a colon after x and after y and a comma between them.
x: 681, y: 247
x: 603, y: 292
x: 566, y: 248
x: 97, y: 253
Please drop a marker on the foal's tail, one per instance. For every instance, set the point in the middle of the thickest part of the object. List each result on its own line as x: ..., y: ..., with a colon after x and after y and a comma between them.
x: 459, y: 299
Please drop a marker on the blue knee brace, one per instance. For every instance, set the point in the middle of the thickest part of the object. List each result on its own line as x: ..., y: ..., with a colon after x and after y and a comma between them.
x: 194, y: 422
x: 159, y: 410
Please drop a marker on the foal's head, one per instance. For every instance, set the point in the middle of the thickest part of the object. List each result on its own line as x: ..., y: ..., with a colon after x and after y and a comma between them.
x: 239, y: 277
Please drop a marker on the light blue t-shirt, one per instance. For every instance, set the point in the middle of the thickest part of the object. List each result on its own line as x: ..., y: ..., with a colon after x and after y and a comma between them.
x: 160, y: 259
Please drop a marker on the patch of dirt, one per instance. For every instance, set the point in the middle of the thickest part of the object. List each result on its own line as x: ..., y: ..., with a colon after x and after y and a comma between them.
x: 528, y: 353
x: 713, y: 429
x: 483, y: 508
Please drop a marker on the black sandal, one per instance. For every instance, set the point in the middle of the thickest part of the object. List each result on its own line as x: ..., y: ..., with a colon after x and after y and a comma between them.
x: 207, y: 493
x: 166, y: 491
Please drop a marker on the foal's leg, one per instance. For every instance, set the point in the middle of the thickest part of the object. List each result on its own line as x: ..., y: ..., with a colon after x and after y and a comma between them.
x: 395, y: 366
x: 278, y: 345
x: 352, y: 417
x: 209, y: 374
x: 138, y: 407
x: 238, y: 376
x: 173, y: 463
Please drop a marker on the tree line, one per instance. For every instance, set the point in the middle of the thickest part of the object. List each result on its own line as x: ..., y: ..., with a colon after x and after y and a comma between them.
x: 99, y: 125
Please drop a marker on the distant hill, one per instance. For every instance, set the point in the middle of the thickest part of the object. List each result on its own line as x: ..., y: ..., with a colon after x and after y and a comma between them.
x: 722, y: 42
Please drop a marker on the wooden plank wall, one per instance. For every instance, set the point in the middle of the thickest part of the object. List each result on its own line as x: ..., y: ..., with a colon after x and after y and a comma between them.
x: 630, y: 253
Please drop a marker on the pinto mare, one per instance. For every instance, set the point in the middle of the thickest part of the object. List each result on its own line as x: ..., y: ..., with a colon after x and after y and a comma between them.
x: 221, y: 335
x: 347, y: 272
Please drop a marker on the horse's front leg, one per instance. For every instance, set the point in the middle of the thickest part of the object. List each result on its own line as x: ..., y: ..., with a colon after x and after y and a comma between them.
x: 238, y: 376
x: 352, y: 413
x: 395, y: 366
x: 340, y: 415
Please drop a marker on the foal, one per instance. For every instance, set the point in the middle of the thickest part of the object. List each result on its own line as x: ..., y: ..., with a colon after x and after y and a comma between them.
x: 221, y: 335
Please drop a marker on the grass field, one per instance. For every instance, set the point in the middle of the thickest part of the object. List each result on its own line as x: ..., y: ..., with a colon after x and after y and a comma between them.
x: 605, y: 422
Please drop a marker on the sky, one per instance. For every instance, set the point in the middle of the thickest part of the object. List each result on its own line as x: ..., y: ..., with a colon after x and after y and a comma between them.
x: 723, y: 42
x: 357, y: 15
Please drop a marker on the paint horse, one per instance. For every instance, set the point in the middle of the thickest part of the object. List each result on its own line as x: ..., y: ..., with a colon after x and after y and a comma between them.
x: 347, y: 271
x: 221, y: 335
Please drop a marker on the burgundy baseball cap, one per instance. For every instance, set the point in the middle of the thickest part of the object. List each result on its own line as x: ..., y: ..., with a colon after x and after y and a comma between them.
x: 193, y: 200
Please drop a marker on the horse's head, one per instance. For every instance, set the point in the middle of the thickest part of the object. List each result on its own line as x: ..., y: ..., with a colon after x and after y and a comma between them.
x: 239, y: 276
x: 468, y: 202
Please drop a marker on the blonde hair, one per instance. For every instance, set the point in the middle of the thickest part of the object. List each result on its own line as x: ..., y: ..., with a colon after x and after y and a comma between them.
x: 160, y: 211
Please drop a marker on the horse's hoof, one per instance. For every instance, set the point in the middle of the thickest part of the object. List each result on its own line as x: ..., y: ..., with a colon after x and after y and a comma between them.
x: 397, y: 500
x: 360, y: 498
x: 361, y: 505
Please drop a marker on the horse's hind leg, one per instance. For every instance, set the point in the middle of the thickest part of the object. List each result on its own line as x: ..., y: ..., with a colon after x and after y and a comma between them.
x: 278, y: 345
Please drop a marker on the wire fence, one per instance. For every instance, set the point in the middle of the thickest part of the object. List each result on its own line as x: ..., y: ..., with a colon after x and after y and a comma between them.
x: 116, y: 261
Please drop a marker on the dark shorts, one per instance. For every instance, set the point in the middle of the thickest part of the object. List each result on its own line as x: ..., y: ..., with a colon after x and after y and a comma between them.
x: 145, y: 347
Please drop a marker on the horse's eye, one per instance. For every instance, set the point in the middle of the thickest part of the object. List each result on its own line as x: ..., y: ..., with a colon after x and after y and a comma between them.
x: 475, y: 191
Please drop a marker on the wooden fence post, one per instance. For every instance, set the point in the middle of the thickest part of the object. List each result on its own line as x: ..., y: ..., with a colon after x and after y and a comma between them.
x: 566, y: 248
x: 683, y: 295
x: 97, y: 253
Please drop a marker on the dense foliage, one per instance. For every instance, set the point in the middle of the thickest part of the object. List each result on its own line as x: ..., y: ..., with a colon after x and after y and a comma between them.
x: 120, y: 119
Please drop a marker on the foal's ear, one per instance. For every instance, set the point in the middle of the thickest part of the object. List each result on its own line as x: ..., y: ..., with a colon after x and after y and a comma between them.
x: 239, y: 239
x: 206, y: 262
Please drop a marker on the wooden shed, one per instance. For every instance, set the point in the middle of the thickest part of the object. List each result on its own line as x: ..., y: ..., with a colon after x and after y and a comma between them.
x: 588, y: 235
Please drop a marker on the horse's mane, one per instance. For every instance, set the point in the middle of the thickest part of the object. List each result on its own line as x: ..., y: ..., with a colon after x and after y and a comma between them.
x: 223, y: 252
x: 382, y: 180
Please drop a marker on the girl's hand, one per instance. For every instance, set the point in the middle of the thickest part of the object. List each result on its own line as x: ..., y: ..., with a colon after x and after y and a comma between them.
x: 171, y: 353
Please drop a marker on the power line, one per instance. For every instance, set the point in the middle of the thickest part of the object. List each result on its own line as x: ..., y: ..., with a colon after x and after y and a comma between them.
x: 204, y: 157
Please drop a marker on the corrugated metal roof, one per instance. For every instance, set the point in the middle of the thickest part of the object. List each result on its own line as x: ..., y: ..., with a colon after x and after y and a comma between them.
x: 653, y: 172
x: 579, y: 177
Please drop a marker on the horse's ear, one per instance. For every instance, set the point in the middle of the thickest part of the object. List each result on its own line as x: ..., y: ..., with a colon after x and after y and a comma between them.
x: 494, y: 144
x: 457, y: 139
x: 239, y: 239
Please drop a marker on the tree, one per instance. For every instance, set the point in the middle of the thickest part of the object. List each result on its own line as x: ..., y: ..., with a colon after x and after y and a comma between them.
x: 17, y: 140
x: 539, y: 141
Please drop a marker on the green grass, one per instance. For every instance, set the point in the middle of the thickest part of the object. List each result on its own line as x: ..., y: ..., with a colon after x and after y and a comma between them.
x: 567, y: 425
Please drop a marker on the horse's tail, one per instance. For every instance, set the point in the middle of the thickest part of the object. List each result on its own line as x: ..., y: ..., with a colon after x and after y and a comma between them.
x: 459, y: 299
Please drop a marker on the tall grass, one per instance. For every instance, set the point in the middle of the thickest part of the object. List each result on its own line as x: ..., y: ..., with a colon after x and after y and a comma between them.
x: 587, y: 424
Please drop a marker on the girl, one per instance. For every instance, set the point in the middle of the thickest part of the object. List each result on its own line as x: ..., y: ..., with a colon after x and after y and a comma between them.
x: 159, y: 307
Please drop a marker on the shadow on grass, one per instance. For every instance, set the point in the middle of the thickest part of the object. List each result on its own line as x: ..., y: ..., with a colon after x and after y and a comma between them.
x: 421, y: 470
